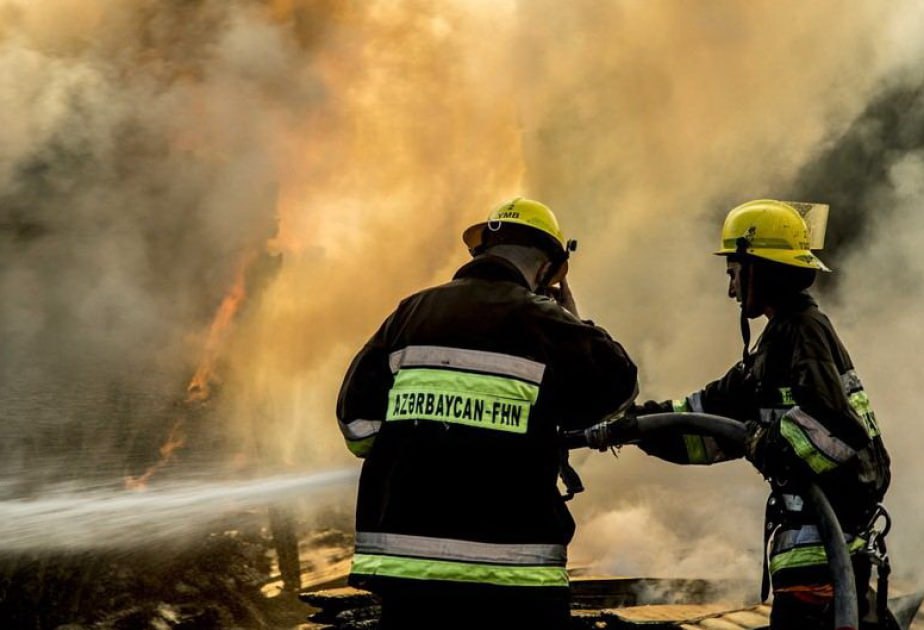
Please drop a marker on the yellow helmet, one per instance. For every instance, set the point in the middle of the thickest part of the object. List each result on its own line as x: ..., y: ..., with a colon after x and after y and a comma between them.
x: 521, y: 211
x: 774, y: 230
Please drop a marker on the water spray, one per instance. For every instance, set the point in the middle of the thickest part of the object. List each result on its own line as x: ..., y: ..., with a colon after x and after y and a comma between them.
x: 70, y: 520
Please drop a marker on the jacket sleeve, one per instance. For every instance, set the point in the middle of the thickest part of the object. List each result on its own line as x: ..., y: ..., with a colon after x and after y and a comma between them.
x: 601, y: 382
x: 823, y: 431
x: 363, y: 399
x: 730, y: 396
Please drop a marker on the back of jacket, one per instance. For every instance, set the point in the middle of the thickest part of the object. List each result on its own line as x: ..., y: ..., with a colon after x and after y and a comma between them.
x: 455, y: 404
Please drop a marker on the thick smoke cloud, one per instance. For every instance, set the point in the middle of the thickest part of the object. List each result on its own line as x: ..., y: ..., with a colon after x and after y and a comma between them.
x: 133, y: 176
x: 343, y: 147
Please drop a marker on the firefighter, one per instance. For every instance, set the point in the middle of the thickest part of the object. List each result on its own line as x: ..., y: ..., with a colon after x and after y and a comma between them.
x: 808, y: 414
x: 455, y: 404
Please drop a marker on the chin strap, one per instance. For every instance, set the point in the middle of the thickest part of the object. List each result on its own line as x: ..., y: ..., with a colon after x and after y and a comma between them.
x: 741, y: 246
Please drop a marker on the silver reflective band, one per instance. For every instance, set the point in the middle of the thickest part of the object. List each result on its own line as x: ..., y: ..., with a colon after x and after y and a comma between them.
x: 713, y: 452
x: 769, y: 415
x: 820, y: 437
x: 851, y: 381
x: 359, y: 429
x: 696, y: 402
x: 790, y: 538
x: 462, y: 550
x: 804, y: 536
x: 475, y: 360
x: 793, y: 502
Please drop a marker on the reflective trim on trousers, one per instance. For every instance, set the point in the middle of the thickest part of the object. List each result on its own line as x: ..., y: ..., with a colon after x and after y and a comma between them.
x: 808, y: 555
x: 380, y: 543
x: 428, y: 569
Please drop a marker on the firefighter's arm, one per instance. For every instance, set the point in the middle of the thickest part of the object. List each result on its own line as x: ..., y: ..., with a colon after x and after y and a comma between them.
x: 363, y: 399
x: 596, y: 376
x: 727, y: 397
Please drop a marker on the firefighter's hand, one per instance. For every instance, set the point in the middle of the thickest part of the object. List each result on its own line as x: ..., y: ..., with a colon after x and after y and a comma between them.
x: 614, y: 432
x: 563, y: 295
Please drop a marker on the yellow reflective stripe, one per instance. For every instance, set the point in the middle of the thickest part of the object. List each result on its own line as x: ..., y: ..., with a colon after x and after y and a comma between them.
x: 808, y: 556
x: 478, y: 400
x: 696, y: 449
x: 427, y: 569
x: 804, y: 448
x: 786, y: 396
x: 456, y: 550
x: 860, y: 403
x: 361, y: 448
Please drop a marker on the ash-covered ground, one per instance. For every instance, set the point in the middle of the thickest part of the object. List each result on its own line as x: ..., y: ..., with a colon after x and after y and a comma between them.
x: 227, y: 580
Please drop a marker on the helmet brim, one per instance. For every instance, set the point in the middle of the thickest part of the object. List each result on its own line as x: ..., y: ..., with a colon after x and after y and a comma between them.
x: 793, y: 257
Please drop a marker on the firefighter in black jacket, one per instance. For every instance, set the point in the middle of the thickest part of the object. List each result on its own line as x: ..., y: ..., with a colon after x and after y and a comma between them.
x: 808, y: 414
x: 456, y: 404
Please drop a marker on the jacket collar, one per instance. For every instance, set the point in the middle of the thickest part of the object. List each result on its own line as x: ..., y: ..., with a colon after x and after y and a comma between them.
x: 796, y: 303
x: 492, y: 268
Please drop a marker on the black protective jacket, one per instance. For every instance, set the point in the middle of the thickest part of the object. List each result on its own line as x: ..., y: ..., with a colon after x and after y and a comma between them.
x: 456, y: 405
x: 800, y: 384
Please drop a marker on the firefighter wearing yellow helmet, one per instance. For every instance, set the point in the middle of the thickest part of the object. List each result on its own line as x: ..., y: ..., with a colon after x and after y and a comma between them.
x: 525, y: 222
x: 806, y: 410
x: 771, y: 230
x: 456, y: 405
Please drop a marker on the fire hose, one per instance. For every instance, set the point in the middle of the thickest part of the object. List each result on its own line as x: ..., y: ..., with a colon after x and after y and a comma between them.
x: 845, y: 595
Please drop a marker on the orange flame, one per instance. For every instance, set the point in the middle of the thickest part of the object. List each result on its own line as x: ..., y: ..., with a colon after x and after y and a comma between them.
x: 199, y: 388
x: 175, y: 440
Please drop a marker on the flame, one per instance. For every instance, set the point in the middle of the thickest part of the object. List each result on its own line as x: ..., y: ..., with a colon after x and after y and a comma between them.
x: 175, y: 440
x: 199, y: 389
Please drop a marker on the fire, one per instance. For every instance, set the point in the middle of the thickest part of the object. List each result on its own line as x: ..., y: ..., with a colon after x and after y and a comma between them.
x: 199, y: 389
x: 175, y: 440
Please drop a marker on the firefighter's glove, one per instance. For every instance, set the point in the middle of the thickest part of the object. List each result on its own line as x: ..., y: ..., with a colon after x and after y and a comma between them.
x: 614, y: 432
x: 755, y: 446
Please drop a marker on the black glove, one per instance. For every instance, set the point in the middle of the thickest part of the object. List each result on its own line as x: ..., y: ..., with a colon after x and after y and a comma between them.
x: 615, y: 432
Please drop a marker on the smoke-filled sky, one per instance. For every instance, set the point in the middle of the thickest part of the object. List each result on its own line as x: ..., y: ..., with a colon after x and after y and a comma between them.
x: 337, y: 150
